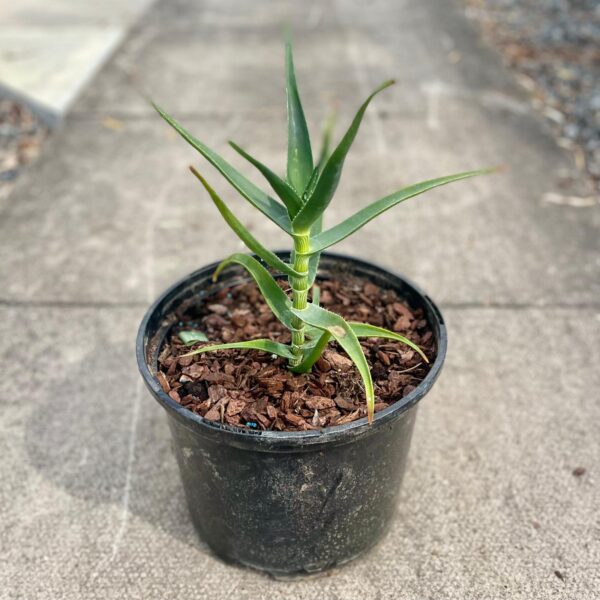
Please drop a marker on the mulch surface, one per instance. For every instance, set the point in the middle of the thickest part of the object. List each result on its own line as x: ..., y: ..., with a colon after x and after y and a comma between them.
x: 252, y: 389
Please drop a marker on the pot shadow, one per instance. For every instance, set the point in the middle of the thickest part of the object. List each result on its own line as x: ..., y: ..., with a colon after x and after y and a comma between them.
x: 96, y: 433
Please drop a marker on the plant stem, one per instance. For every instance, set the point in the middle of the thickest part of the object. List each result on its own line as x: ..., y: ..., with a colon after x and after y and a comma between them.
x: 300, y: 288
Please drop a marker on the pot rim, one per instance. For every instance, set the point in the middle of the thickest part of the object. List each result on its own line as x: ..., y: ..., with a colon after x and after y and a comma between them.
x: 292, y: 440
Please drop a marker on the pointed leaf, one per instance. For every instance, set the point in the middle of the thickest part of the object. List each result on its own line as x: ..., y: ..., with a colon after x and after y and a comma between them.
x: 282, y: 188
x: 253, y: 244
x: 366, y: 330
x: 274, y: 296
x: 328, y: 181
x: 299, y: 162
x: 192, y: 337
x: 267, y: 205
x: 346, y: 338
x: 362, y: 217
x: 265, y: 345
x: 325, y: 153
x: 326, y: 142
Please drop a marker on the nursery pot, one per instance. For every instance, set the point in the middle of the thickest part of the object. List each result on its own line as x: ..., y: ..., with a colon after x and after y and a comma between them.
x: 289, y: 502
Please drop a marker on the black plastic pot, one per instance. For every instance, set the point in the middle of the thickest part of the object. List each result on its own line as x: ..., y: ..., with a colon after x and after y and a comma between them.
x: 289, y: 502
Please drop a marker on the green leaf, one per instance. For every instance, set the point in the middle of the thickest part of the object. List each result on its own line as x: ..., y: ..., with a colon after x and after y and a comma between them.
x: 366, y: 330
x: 300, y: 161
x: 253, y: 244
x: 346, y: 338
x: 316, y: 295
x: 313, y: 267
x: 192, y: 337
x: 315, y: 258
x: 342, y: 230
x: 265, y: 345
x: 326, y: 142
x: 328, y: 181
x: 315, y: 351
x: 267, y: 205
x: 274, y: 296
x: 282, y: 188
x: 325, y: 153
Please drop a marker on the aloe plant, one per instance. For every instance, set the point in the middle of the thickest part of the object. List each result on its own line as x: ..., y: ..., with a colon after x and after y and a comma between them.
x: 303, y: 197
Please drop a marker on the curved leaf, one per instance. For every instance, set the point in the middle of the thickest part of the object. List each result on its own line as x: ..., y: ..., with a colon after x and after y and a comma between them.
x: 326, y: 142
x: 282, y: 188
x: 342, y: 230
x: 315, y: 258
x: 265, y: 345
x: 328, y: 181
x: 267, y: 205
x: 313, y: 267
x: 274, y: 296
x: 325, y: 153
x: 192, y: 337
x: 253, y: 244
x: 300, y: 161
x: 366, y: 330
x: 346, y: 338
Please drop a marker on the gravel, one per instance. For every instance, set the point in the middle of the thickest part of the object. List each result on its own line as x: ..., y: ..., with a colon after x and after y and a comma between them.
x: 554, y: 45
x: 21, y: 136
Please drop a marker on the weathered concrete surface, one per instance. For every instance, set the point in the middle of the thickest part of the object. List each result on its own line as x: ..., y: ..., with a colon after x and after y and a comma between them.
x: 50, y: 50
x: 90, y: 501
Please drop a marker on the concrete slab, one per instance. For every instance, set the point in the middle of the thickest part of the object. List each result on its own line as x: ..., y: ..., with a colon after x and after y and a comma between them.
x: 50, y: 51
x: 90, y: 502
x: 490, y: 507
x: 46, y: 68
x: 490, y: 241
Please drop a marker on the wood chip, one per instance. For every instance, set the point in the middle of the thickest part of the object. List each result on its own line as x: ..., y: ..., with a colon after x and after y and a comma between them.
x: 344, y: 404
x: 348, y: 418
x: 219, y: 309
x: 337, y: 361
x: 319, y: 403
x: 214, y: 414
x: 235, y: 406
x: 293, y: 419
x: 164, y: 384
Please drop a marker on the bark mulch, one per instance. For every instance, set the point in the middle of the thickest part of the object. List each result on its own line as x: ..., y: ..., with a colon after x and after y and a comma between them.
x: 253, y: 389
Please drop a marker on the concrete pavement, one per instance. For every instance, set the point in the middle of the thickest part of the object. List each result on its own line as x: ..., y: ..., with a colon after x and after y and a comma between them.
x: 90, y: 501
x: 50, y: 50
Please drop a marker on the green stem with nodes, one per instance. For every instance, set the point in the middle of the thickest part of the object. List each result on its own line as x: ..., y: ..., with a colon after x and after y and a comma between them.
x: 300, y: 289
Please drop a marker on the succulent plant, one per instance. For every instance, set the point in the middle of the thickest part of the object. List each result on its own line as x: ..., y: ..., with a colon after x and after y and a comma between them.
x: 304, y: 195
